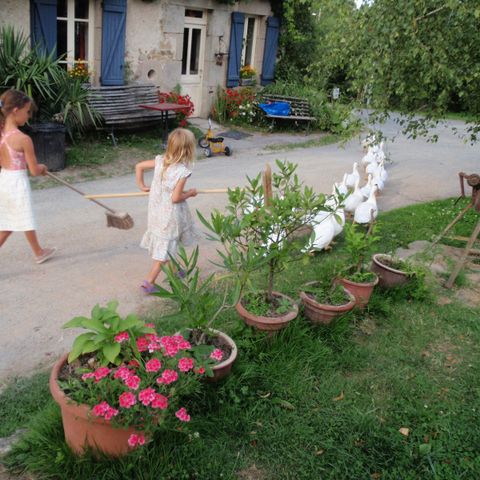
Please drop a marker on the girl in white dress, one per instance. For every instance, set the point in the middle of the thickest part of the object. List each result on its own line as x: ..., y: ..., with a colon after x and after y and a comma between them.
x: 169, y: 220
x: 16, y: 156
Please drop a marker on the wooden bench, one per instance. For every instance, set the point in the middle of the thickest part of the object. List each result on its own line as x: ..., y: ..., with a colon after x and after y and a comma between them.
x: 300, y: 110
x: 119, y: 107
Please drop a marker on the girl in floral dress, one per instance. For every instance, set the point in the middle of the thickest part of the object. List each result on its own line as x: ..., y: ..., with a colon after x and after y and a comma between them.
x: 169, y: 220
x: 16, y: 158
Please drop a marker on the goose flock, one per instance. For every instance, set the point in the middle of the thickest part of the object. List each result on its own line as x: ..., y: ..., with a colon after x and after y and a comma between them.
x: 358, y: 202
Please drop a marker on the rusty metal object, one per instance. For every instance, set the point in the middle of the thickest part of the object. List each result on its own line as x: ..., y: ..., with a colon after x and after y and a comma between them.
x: 473, y: 180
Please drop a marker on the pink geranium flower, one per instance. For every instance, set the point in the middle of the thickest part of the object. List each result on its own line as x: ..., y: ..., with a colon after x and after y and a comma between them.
x: 182, y: 415
x: 100, y: 373
x: 168, y: 376
x: 146, y: 396
x: 132, y: 382
x: 160, y: 401
x: 104, y: 410
x: 153, y: 365
x: 185, y: 364
x: 121, y: 337
x: 217, y: 354
x: 134, y: 439
x: 127, y: 400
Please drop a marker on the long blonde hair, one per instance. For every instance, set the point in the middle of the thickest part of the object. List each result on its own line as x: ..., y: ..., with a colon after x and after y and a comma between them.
x: 180, y: 148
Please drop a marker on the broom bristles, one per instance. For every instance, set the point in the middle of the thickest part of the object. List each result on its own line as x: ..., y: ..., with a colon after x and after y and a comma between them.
x: 121, y: 220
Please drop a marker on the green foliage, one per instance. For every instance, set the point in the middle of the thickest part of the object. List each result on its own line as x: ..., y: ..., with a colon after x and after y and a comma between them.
x: 71, y: 106
x: 58, y: 95
x: 328, y: 294
x: 254, y: 234
x: 104, y: 325
x: 24, y: 69
x: 197, y: 298
x: 358, y: 243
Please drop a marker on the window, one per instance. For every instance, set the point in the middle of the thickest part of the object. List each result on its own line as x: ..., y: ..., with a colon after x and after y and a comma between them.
x: 75, y: 32
x: 248, y: 43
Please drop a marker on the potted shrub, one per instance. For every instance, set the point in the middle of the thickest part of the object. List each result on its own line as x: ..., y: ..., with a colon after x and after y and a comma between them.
x: 121, y: 382
x: 359, y: 281
x: 392, y: 271
x: 324, y: 301
x: 259, y: 230
x: 248, y: 76
x: 199, y: 304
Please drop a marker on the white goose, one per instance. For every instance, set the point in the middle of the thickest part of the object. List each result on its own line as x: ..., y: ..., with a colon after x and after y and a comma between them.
x: 365, y: 190
x: 382, y: 173
x: 369, y: 157
x: 323, y: 230
x: 371, y: 168
x: 354, y: 199
x: 338, y: 216
x: 341, y: 187
x: 377, y: 180
x: 368, y: 210
x: 352, y: 177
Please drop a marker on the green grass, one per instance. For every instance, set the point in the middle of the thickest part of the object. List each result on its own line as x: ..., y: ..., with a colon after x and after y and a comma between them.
x: 312, y: 402
x: 96, y: 148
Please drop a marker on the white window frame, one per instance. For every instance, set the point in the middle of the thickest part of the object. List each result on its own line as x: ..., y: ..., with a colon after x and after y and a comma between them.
x: 254, y: 39
x: 70, y: 18
x: 201, y: 23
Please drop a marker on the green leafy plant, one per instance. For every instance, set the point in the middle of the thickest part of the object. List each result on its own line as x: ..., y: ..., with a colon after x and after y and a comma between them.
x: 104, y: 325
x: 327, y: 293
x: 199, y: 300
x: 358, y: 243
x: 255, y: 233
x: 131, y: 376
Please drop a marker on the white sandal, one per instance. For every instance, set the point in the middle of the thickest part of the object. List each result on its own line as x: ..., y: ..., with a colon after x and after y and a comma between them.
x: 47, y: 253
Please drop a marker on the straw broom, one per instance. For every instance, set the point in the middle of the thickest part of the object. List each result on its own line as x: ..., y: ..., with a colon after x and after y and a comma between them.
x: 121, y: 220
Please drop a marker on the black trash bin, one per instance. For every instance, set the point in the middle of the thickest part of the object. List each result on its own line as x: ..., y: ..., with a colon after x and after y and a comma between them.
x: 49, y: 142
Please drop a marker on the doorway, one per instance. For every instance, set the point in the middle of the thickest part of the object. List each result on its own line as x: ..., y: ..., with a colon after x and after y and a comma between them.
x: 193, y: 55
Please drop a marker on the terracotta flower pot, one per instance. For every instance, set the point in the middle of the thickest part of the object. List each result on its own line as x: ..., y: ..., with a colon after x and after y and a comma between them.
x: 320, y: 313
x: 222, y: 369
x: 361, y: 291
x: 269, y: 324
x: 83, y: 430
x: 388, y: 277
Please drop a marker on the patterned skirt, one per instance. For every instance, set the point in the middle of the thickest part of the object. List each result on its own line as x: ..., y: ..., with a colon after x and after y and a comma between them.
x: 16, y: 213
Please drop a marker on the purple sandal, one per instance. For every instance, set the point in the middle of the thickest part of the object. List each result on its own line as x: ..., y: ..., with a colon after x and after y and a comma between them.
x: 148, y: 288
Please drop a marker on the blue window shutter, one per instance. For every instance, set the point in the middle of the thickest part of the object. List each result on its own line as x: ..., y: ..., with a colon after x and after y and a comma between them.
x: 113, y: 42
x: 270, y: 53
x: 43, y: 19
x: 235, y: 52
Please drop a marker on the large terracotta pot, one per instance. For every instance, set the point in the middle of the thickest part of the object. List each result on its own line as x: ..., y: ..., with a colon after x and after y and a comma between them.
x: 268, y: 324
x: 83, y: 430
x: 222, y: 369
x: 361, y: 291
x: 320, y: 313
x: 388, y: 277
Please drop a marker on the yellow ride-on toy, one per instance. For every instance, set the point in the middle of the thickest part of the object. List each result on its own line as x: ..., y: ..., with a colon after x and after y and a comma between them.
x: 211, y: 144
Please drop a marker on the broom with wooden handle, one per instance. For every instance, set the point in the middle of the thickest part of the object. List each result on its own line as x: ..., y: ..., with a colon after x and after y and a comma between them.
x: 142, y: 194
x: 121, y: 220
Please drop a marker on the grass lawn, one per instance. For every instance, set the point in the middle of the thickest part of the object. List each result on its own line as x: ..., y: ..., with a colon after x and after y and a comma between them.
x: 310, y: 402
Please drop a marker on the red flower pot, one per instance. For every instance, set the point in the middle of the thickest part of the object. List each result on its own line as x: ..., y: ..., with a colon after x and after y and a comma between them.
x: 83, y: 430
x: 361, y: 291
x: 268, y: 323
x: 320, y: 313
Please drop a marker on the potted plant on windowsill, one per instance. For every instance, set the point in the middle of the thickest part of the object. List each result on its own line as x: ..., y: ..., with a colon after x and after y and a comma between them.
x: 199, y: 305
x: 259, y: 231
x: 121, y: 382
x: 248, y: 76
x: 359, y: 281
